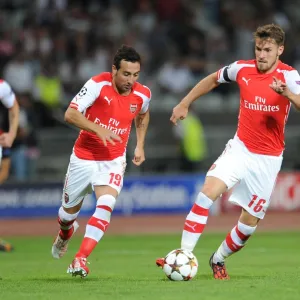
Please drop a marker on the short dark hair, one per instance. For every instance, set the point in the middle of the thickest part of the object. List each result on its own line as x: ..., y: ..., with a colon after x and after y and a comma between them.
x: 126, y: 53
x: 270, y: 31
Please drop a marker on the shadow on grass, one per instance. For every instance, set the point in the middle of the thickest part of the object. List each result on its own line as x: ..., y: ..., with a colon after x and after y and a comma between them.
x: 208, y: 277
x: 112, y: 278
x: 62, y: 280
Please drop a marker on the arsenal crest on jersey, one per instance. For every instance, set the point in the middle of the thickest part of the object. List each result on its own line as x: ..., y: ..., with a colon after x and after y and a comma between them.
x: 133, y: 108
x: 66, y: 196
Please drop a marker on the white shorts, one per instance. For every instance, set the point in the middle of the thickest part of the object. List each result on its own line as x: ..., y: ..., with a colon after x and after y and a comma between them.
x: 83, y: 175
x: 0, y: 154
x: 252, y: 175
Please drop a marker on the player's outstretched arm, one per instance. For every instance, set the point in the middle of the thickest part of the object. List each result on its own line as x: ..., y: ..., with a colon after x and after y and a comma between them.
x: 201, y: 88
x: 76, y: 118
x: 141, y: 125
x: 7, y: 139
x: 295, y: 100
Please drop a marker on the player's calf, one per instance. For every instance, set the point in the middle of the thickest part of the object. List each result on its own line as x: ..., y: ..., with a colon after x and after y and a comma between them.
x: 68, y: 227
x: 97, y: 225
x: 234, y: 241
x: 60, y: 245
x: 195, y: 222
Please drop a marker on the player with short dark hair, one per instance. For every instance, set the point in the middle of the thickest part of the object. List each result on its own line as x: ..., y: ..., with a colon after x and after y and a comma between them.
x: 104, y: 110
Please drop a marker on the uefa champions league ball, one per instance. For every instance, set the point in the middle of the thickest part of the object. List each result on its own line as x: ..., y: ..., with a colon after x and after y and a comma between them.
x: 180, y: 265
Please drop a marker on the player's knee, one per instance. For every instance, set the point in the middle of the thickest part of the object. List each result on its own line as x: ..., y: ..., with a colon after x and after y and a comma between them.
x: 66, y: 216
x: 211, y: 192
x: 107, y: 200
x: 73, y: 209
x: 213, y: 188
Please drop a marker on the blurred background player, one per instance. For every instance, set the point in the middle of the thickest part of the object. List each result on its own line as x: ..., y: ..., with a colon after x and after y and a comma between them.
x: 252, y: 159
x: 4, y: 173
x: 5, y: 165
x: 192, y: 143
x: 104, y: 110
x: 8, y: 100
x: 24, y: 150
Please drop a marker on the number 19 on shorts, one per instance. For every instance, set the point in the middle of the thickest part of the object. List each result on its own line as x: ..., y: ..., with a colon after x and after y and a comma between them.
x: 115, y: 179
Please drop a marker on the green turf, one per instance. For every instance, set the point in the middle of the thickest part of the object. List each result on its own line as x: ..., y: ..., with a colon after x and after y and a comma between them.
x: 124, y: 268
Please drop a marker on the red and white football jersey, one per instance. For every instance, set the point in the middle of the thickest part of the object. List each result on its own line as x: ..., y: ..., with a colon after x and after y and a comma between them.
x: 7, y: 96
x: 263, y: 112
x: 101, y: 104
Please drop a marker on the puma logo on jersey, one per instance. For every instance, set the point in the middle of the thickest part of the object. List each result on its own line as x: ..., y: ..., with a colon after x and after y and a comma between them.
x: 108, y: 100
x: 246, y: 80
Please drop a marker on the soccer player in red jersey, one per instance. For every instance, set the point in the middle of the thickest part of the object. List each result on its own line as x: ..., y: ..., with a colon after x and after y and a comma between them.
x: 104, y: 110
x: 252, y: 159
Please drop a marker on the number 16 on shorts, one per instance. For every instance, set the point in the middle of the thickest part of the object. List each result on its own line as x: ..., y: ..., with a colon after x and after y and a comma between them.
x: 257, y: 204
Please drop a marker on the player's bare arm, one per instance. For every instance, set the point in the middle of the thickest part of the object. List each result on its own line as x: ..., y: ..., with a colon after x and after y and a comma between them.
x: 141, y: 125
x: 7, y: 138
x: 76, y: 118
x: 203, y: 87
x: 4, y: 170
x: 281, y: 88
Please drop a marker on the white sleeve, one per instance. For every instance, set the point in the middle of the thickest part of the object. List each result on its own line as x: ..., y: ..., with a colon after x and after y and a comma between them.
x: 292, y: 80
x: 7, y: 96
x: 229, y: 73
x: 146, y: 102
x: 145, y: 106
x: 86, y: 96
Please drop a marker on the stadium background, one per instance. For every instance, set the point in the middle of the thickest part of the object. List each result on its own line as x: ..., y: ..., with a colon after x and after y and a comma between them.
x: 49, y: 48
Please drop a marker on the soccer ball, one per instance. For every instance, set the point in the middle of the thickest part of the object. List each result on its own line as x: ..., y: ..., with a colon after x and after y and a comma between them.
x: 180, y: 265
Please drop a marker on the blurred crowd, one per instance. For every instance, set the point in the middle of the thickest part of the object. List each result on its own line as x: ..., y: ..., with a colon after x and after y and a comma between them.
x: 50, y: 48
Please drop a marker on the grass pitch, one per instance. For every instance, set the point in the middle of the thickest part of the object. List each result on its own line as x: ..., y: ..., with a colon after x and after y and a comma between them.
x: 124, y: 268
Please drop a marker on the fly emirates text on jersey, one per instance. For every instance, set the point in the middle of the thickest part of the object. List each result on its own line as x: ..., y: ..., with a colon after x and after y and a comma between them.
x: 260, y: 104
x: 112, y: 125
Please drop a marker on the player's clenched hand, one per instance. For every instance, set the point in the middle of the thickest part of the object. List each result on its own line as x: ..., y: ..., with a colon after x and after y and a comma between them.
x: 139, y: 156
x: 279, y: 87
x: 107, y: 135
x: 179, y: 113
x: 6, y: 139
